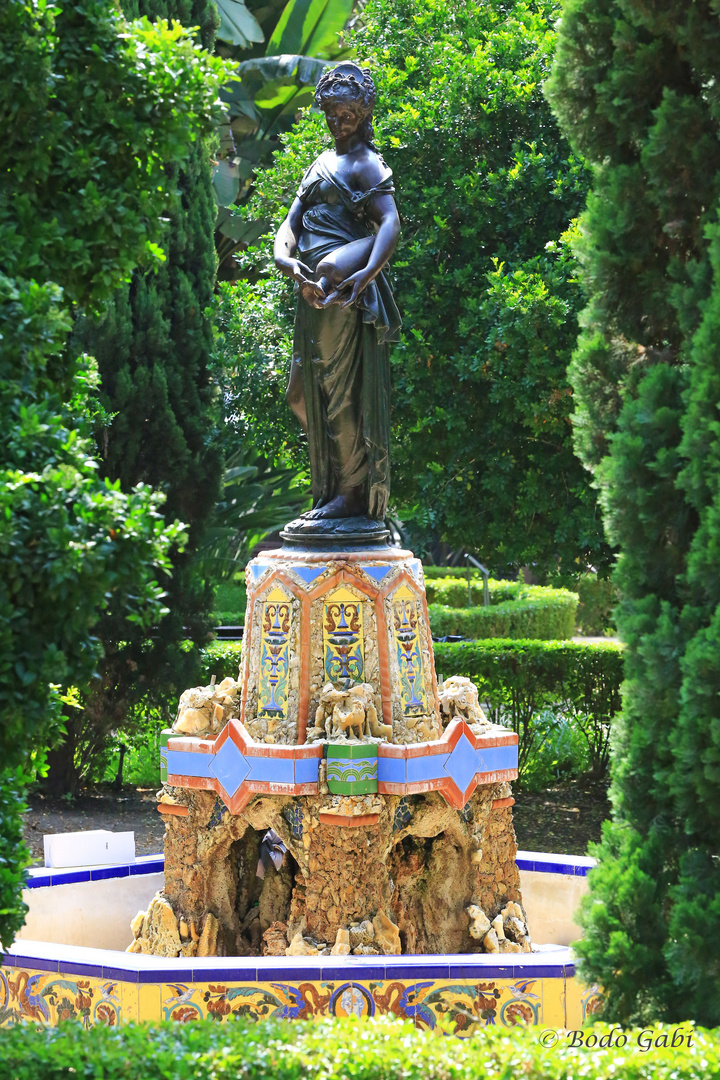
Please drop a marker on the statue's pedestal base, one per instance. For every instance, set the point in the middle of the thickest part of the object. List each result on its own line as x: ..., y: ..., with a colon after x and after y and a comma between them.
x: 315, y: 618
x: 396, y: 821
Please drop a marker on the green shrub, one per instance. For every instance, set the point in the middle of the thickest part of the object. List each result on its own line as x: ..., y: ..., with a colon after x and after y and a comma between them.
x: 433, y: 572
x: 230, y: 602
x: 536, y: 613
x: 516, y: 680
x: 457, y: 591
x: 380, y: 1049
x: 596, y: 604
x: 635, y: 88
x: 560, y: 753
x: 221, y: 659
x: 597, y: 597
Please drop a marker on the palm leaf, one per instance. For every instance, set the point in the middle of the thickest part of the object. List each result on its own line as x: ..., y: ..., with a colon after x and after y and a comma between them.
x: 310, y: 27
x: 238, y: 26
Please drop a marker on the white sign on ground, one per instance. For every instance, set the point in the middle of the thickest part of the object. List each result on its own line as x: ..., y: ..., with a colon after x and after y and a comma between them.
x: 96, y: 847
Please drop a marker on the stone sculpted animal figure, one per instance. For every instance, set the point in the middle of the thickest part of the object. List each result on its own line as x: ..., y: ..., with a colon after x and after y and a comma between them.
x: 349, y: 713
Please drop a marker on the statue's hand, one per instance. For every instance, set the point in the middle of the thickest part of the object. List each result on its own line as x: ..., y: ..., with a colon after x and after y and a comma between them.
x: 358, y: 282
x: 313, y: 294
x: 296, y: 270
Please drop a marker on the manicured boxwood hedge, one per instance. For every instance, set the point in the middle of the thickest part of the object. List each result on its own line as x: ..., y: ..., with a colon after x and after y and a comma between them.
x: 459, y: 592
x: 597, y: 596
x: 548, y: 614
x: 516, y: 680
x: 339, y: 1049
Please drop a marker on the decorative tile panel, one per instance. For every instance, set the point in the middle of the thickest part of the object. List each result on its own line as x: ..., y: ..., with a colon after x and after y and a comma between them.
x: 455, y: 994
x: 343, y: 644
x: 309, y: 573
x: 274, y: 656
x: 237, y: 767
x: 406, y: 616
x: 352, y: 769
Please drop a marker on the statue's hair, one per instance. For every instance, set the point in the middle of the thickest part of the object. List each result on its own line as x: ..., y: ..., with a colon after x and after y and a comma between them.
x: 361, y: 94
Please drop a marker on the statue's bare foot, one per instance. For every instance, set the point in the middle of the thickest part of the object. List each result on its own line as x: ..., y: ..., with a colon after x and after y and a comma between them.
x: 345, y: 505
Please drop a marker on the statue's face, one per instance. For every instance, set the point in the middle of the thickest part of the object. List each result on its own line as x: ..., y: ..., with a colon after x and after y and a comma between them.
x: 342, y: 118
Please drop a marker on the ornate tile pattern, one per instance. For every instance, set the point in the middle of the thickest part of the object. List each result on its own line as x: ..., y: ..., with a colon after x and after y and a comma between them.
x: 406, y: 616
x: 455, y: 1006
x: 47, y: 998
x: 274, y: 656
x: 343, y: 643
x: 237, y: 767
x: 352, y: 769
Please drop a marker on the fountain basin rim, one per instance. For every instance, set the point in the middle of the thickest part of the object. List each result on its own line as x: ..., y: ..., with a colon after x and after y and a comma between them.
x: 547, y: 961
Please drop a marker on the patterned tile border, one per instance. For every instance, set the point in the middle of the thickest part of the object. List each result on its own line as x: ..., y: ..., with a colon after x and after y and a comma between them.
x: 237, y: 768
x: 455, y: 1006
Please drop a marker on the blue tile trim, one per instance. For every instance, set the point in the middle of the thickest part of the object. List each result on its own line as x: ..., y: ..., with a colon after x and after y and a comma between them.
x: 41, y: 881
x: 116, y: 974
x: 220, y: 975
x: 157, y: 866
x: 550, y: 863
x: 102, y: 873
x: 306, y: 770
x: 309, y: 573
x: 421, y: 970
x: 36, y: 963
x: 495, y: 758
x: 189, y: 763
x: 167, y: 974
x: 70, y: 877
x: 429, y: 767
x: 377, y: 572
x: 549, y: 964
x: 391, y: 770
x: 277, y: 770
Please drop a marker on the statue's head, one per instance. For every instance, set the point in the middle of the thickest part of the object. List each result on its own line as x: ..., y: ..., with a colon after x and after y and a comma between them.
x: 350, y: 86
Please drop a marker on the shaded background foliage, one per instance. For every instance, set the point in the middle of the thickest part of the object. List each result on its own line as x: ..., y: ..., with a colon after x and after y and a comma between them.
x: 113, y: 104
x: 636, y: 88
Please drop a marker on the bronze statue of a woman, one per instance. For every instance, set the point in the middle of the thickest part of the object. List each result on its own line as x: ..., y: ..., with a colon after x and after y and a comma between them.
x: 339, y: 234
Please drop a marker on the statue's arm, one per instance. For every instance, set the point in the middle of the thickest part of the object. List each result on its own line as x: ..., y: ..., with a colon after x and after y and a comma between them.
x: 286, y: 242
x: 383, y: 212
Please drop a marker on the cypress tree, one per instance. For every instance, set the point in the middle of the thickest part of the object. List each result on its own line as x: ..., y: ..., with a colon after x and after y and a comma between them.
x: 153, y: 347
x: 637, y: 88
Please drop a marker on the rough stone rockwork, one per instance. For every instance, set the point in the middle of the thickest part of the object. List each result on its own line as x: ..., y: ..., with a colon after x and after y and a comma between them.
x: 367, y: 814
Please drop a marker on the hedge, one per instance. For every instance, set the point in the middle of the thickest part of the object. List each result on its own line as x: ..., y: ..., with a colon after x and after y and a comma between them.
x: 548, y: 614
x: 515, y: 680
x: 378, y: 1049
x: 461, y: 592
x: 597, y: 596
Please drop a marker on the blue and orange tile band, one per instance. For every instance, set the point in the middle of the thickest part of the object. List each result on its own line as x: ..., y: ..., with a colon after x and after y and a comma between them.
x: 237, y: 768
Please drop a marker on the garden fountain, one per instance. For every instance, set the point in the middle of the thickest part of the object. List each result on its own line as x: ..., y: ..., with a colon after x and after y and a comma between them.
x: 339, y: 832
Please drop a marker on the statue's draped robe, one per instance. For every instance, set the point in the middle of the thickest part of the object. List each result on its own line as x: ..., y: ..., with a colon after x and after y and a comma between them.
x: 343, y: 352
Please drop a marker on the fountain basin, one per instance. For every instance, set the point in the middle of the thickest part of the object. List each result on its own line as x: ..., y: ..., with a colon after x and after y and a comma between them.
x: 68, y: 962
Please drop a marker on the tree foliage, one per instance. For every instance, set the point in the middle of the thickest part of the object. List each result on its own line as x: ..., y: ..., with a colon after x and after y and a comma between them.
x: 152, y: 342
x: 636, y: 88
x: 91, y: 109
x: 487, y: 188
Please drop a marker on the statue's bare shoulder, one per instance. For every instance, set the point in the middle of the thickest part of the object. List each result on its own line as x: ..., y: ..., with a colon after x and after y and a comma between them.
x: 369, y: 170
